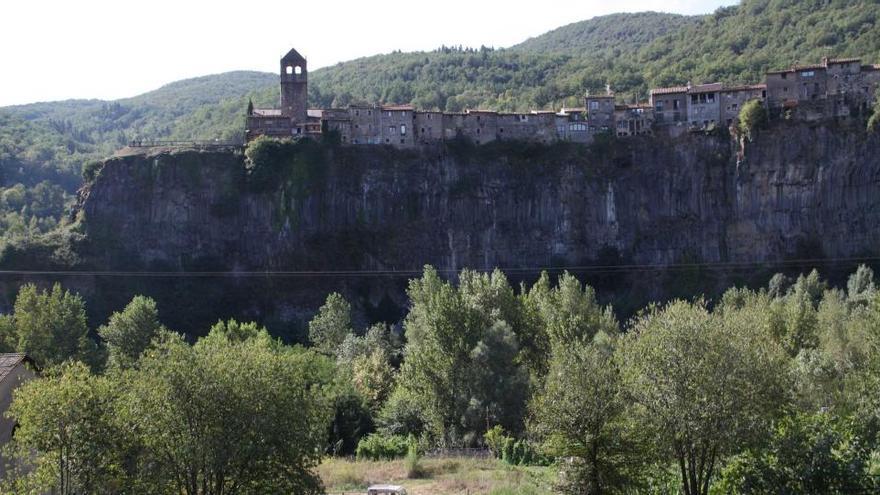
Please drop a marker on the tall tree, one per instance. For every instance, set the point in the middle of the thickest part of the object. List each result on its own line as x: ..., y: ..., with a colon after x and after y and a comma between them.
x: 329, y: 327
x: 702, y: 384
x: 66, y: 434
x: 452, y: 337
x: 228, y: 417
x: 50, y: 326
x: 129, y: 332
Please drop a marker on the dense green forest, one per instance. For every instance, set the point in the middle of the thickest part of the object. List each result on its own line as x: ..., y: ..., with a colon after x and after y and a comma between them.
x: 767, y: 391
x: 631, y: 52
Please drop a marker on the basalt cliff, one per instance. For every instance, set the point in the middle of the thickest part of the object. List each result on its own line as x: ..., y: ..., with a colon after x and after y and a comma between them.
x: 713, y: 209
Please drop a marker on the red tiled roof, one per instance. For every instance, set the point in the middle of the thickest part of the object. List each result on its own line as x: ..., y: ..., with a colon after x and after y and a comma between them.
x: 669, y: 91
x: 706, y: 88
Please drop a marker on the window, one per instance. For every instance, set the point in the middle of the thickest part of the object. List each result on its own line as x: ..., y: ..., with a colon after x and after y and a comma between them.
x: 478, y: 118
x: 297, y: 70
x: 289, y: 69
x: 764, y: 94
x: 693, y: 98
x: 703, y: 98
x: 675, y: 104
x: 369, y: 112
x: 403, y: 130
x: 711, y: 97
x: 808, y: 73
x: 357, y: 113
x: 429, y: 116
x: 403, y: 141
x: 478, y: 131
x: 356, y: 126
x: 501, y: 130
x: 423, y: 130
x: 594, y: 105
x: 391, y: 129
x: 784, y: 75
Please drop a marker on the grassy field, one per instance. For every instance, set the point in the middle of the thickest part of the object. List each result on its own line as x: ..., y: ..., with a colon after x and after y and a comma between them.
x: 449, y: 476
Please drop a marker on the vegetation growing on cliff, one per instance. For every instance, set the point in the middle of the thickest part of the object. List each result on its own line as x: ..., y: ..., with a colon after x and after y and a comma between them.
x: 752, y: 117
x: 769, y: 388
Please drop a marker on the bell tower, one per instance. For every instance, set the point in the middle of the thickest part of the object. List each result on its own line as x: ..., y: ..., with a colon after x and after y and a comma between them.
x: 294, y: 87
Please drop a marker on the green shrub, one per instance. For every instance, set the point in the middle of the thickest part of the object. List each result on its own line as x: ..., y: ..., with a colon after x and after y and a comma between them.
x: 752, y: 117
x: 377, y: 447
x: 91, y: 170
x: 413, y: 456
x: 507, y: 454
x: 495, y: 440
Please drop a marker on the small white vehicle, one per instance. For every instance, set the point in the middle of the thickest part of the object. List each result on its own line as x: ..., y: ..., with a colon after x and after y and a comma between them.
x: 386, y: 490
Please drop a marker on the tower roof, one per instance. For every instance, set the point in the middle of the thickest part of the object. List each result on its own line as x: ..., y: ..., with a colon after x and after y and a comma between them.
x: 293, y: 56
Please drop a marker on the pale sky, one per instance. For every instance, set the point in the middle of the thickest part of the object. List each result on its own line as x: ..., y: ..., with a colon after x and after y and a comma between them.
x: 108, y: 49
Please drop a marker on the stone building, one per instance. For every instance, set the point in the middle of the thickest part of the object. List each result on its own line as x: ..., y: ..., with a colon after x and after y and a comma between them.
x: 15, y: 369
x: 670, y: 105
x: 704, y: 105
x: 600, y: 112
x: 293, y: 117
x: 633, y: 120
x: 733, y: 98
x: 428, y: 127
x: 572, y: 125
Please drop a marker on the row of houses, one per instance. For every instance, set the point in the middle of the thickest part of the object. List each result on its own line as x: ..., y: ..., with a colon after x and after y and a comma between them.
x: 836, y: 88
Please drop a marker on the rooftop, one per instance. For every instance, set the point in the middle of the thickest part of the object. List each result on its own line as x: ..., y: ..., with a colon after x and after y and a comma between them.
x: 669, y: 91
x: 745, y: 87
x: 8, y: 362
x: 706, y: 88
x: 267, y: 112
x: 398, y: 108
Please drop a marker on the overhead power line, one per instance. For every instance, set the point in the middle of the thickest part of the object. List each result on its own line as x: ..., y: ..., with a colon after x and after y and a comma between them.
x: 593, y: 269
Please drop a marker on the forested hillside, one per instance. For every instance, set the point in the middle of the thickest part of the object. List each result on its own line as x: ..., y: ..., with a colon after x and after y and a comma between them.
x: 631, y: 52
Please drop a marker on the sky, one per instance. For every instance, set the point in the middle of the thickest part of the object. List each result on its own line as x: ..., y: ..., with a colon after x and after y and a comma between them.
x: 108, y: 49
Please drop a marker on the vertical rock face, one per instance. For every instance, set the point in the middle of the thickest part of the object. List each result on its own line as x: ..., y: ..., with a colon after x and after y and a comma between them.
x: 798, y: 192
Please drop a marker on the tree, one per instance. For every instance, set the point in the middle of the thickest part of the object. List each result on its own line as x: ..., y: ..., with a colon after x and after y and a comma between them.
x: 752, y: 116
x: 808, y: 454
x: 129, y: 332
x: 461, y: 366
x: 66, y: 433
x: 703, y: 384
x: 579, y: 415
x: 50, y: 326
x: 228, y: 417
x: 331, y: 325
x: 7, y: 333
x: 860, y: 286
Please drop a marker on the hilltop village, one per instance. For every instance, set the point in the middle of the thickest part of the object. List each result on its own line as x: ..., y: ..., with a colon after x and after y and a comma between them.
x: 835, y: 88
